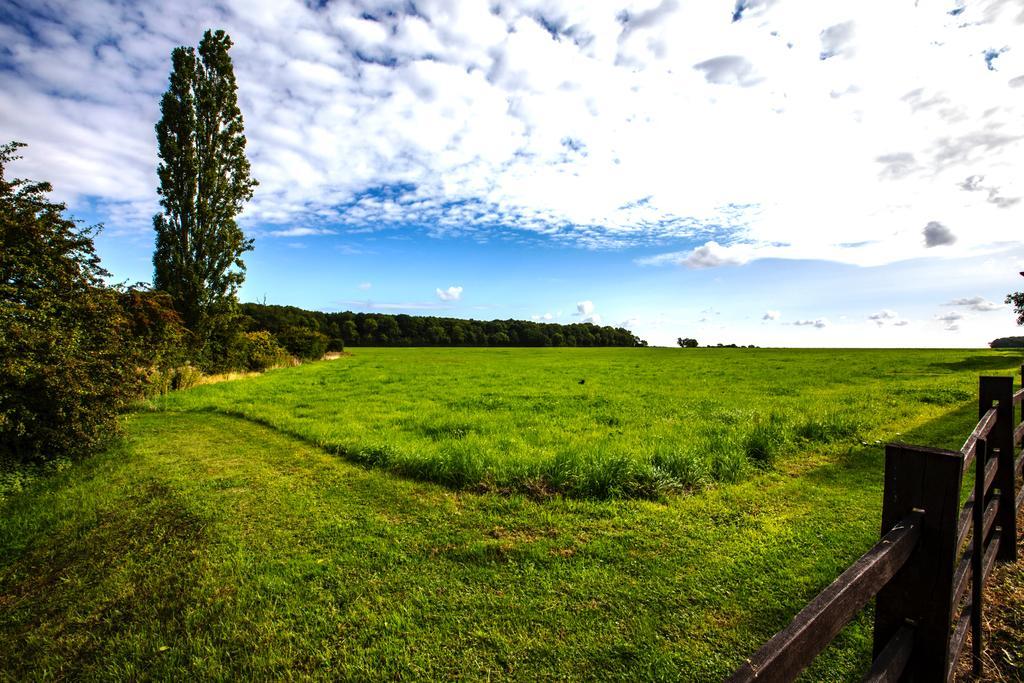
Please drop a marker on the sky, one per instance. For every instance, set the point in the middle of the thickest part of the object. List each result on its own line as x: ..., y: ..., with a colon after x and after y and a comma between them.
x: 772, y: 172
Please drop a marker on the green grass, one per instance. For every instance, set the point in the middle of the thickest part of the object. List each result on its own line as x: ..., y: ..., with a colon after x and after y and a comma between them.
x: 643, y: 422
x: 212, y: 546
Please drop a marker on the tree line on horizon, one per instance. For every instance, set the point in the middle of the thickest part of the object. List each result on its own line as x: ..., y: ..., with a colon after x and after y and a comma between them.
x: 336, y: 330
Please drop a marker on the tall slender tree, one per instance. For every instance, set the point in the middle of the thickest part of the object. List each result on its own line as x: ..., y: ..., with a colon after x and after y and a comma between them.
x: 204, y: 183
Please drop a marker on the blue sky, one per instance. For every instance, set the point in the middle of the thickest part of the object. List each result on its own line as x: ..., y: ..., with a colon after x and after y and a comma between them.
x: 775, y: 172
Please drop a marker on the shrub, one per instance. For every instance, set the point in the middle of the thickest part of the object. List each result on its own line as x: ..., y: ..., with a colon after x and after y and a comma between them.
x: 68, y: 362
x: 155, y: 328
x: 263, y: 352
x: 303, y: 342
x: 185, y: 377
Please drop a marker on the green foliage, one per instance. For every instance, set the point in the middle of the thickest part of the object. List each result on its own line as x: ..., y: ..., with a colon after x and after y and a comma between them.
x: 162, y: 381
x: 204, y: 183
x: 377, y: 329
x: 304, y: 343
x: 68, y: 359
x: 1017, y: 299
x: 263, y: 352
x: 1010, y: 342
x: 157, y: 333
x: 686, y: 343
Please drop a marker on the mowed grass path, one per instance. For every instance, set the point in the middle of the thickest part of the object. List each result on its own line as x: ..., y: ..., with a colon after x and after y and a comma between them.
x: 209, y: 546
x: 596, y: 422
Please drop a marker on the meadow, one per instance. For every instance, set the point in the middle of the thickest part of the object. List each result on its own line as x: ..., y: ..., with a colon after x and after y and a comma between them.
x: 333, y: 521
x: 595, y: 422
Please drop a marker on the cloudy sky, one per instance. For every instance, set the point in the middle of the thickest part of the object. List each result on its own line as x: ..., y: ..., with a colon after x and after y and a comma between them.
x: 775, y: 172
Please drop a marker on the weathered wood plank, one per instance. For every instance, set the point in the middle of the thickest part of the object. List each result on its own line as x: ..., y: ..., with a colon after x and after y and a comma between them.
x: 981, y: 431
x: 991, y: 469
x: 956, y: 641
x: 921, y: 592
x: 981, y: 484
x: 989, y: 518
x: 963, y: 525
x: 999, y: 391
x: 962, y: 575
x: 890, y: 664
x: 990, y: 555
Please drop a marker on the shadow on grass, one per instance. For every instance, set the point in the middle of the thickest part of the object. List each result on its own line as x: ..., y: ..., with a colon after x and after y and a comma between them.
x: 1006, y: 361
x: 863, y: 462
x: 69, y: 594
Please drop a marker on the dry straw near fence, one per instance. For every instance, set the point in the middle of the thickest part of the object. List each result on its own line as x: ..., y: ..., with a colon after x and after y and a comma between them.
x: 927, y: 573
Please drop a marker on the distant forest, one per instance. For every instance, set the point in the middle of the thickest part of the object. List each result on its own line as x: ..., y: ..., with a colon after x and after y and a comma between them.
x: 1007, y: 343
x: 381, y: 329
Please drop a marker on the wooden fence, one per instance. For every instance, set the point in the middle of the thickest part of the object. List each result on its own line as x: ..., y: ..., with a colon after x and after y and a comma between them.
x: 928, y: 572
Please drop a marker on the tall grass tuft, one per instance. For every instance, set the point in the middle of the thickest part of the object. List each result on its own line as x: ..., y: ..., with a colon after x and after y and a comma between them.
x: 689, y: 467
x: 829, y: 427
x: 766, y: 440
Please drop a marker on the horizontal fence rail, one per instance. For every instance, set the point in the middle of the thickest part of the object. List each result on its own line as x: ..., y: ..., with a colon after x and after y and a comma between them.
x: 927, y: 573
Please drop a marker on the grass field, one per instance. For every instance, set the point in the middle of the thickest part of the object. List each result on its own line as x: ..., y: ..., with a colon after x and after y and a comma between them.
x: 219, y: 542
x: 596, y: 422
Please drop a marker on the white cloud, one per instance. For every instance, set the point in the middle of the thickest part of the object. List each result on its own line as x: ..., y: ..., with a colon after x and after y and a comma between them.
x: 364, y: 285
x: 728, y: 70
x: 819, y: 323
x: 462, y: 119
x: 584, y: 308
x: 771, y: 315
x: 710, y: 255
x: 950, y: 321
x: 884, y: 316
x: 301, y: 232
x: 546, y: 317
x: 453, y: 293
x: 975, y: 303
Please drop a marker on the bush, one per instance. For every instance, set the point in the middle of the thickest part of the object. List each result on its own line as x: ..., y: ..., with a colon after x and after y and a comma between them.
x: 159, y: 338
x: 263, y: 352
x: 303, y: 342
x: 68, y: 361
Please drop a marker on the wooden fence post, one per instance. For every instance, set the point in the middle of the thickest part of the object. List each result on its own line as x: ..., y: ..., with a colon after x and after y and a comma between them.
x: 920, y: 593
x: 999, y: 390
